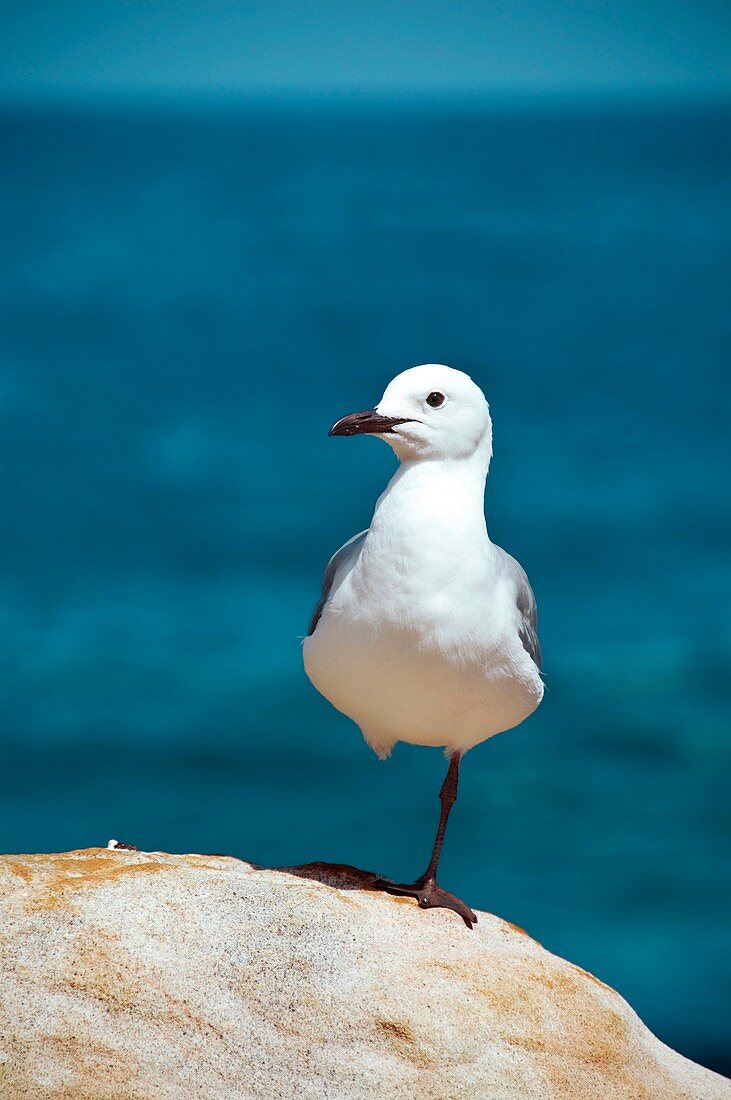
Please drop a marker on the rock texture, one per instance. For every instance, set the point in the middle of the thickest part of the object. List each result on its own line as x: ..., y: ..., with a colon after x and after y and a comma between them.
x: 130, y: 975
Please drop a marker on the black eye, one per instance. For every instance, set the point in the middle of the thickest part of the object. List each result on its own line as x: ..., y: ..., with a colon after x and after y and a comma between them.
x: 435, y: 399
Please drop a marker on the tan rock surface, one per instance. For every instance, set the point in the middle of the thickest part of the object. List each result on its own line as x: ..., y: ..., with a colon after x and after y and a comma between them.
x: 133, y: 975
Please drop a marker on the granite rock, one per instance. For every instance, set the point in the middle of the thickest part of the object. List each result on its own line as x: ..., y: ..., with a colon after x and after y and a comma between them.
x: 130, y: 975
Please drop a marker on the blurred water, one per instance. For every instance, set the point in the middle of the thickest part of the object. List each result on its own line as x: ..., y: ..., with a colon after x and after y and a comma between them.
x: 187, y: 303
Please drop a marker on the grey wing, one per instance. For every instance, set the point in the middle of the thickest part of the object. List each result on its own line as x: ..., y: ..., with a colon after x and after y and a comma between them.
x: 527, y: 609
x: 346, y: 556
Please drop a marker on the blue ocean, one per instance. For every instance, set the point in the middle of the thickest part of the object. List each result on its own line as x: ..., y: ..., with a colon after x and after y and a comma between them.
x: 189, y: 299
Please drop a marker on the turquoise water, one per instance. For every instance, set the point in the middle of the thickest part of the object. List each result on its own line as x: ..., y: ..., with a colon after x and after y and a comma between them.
x: 188, y: 302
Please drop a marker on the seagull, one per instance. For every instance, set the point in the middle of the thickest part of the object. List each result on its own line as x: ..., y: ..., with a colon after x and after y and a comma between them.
x: 425, y: 631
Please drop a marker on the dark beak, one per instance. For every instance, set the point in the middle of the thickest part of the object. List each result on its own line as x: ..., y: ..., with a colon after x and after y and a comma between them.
x: 366, y: 423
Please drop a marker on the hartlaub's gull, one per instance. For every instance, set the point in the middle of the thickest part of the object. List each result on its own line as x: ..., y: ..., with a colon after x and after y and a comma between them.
x: 426, y: 630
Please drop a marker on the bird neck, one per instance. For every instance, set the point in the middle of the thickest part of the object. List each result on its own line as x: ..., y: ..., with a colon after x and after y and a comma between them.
x: 443, y: 496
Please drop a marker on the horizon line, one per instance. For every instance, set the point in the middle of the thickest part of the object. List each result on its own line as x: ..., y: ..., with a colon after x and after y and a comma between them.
x: 339, y: 95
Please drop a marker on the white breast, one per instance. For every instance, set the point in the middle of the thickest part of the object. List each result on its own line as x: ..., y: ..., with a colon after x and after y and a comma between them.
x: 419, y: 641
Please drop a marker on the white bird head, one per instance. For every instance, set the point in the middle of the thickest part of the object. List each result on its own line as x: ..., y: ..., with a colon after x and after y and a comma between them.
x: 427, y: 412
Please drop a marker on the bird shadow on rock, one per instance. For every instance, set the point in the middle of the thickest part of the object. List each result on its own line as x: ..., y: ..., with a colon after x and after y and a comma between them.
x: 342, y: 876
x: 339, y: 875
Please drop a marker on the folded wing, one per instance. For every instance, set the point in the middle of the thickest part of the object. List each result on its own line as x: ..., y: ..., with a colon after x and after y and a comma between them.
x: 340, y: 563
x: 527, y: 609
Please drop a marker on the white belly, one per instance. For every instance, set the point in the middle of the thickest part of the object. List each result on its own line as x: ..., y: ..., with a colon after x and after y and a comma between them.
x: 402, y: 684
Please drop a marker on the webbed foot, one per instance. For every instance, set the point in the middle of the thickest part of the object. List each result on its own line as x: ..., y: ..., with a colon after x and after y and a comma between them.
x: 429, y: 896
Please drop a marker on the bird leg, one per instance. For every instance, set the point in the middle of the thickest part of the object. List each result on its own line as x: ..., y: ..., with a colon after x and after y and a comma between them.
x: 425, y: 890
